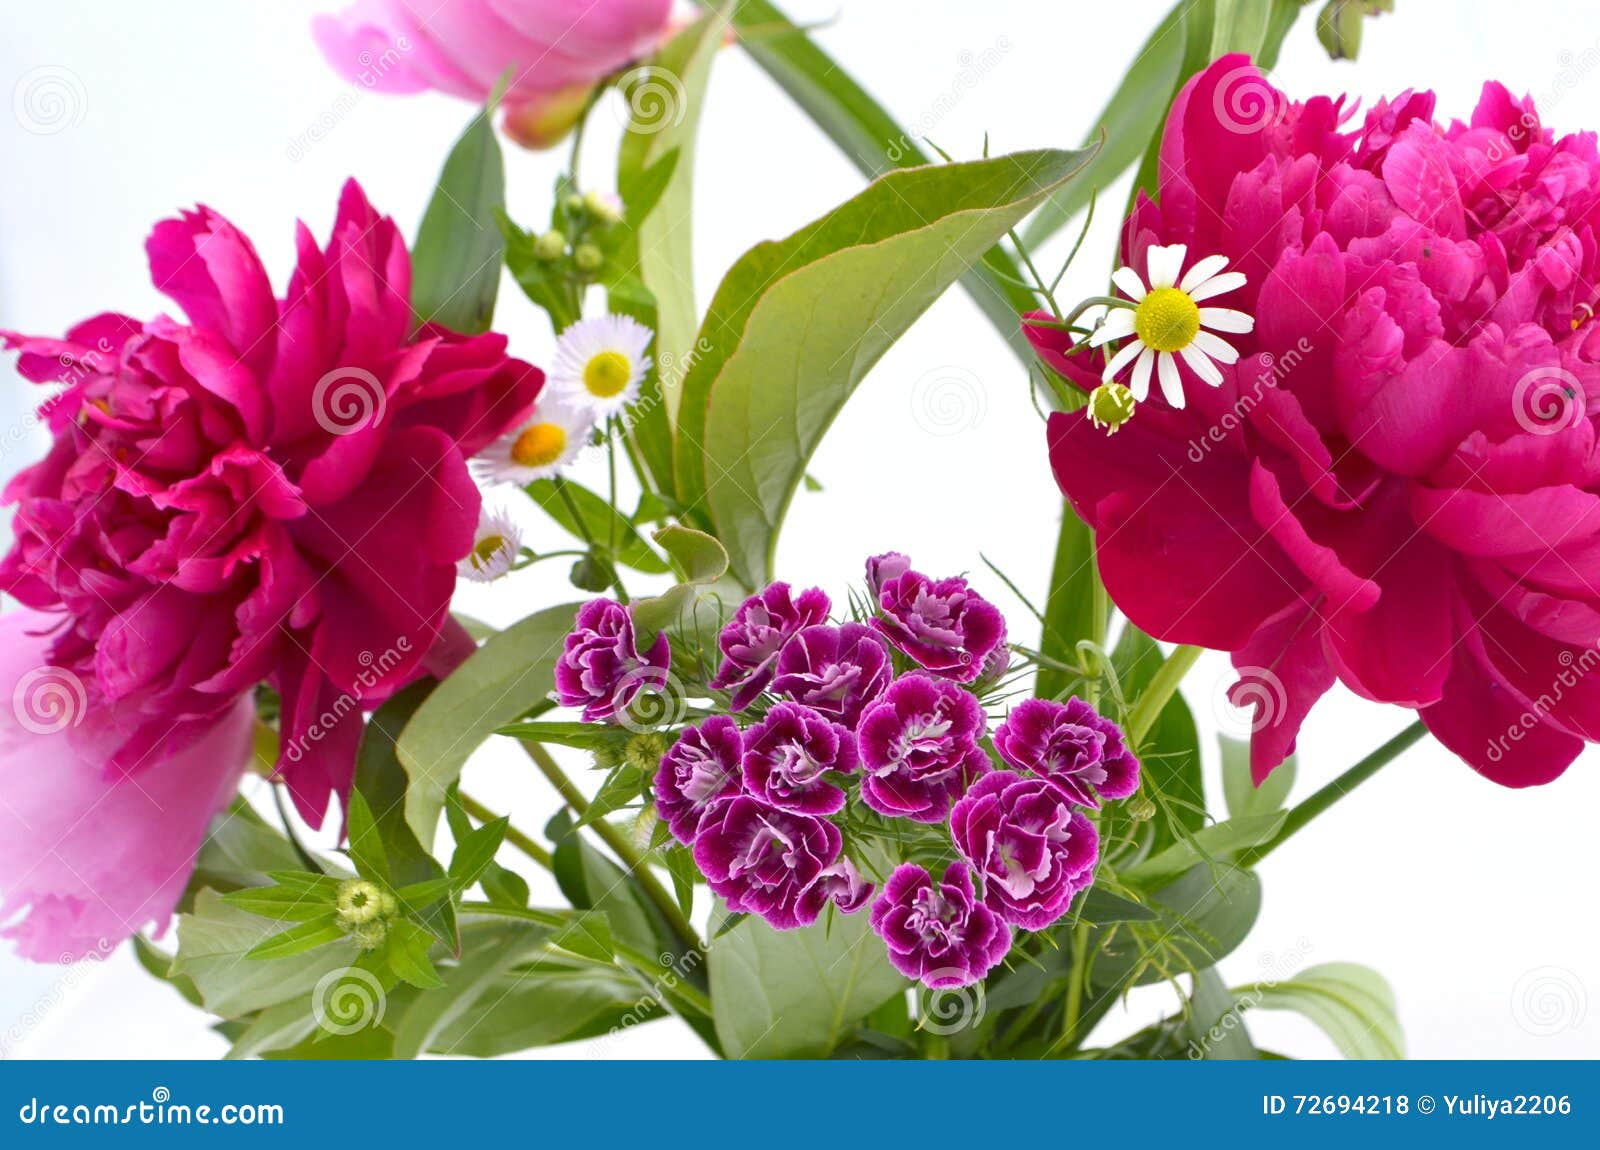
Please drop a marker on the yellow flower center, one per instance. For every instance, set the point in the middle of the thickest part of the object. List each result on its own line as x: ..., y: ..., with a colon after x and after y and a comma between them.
x: 539, y: 445
x: 607, y: 374
x: 485, y: 550
x: 1167, y: 319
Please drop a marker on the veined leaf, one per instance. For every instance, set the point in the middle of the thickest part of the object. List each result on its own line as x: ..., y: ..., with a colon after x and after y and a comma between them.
x: 797, y: 323
x: 455, y: 263
x: 1352, y: 1004
x: 601, y: 521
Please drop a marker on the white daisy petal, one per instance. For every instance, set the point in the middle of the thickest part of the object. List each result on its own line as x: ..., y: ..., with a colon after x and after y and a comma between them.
x: 1202, y: 271
x: 1165, y: 263
x: 1141, y: 374
x: 1118, y: 324
x: 1121, y: 360
x: 1225, y: 319
x: 1218, y: 349
x: 1217, y: 285
x: 619, y: 343
x: 495, y: 546
x: 1201, y: 365
x: 540, y: 447
x: 1128, y: 280
x: 1171, y: 382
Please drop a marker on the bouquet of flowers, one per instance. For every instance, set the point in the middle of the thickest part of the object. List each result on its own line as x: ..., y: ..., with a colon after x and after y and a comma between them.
x: 1328, y: 416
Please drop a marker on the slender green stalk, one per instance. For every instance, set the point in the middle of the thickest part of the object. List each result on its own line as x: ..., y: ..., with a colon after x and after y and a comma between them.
x: 1162, y: 687
x: 621, y: 845
x: 1076, y: 983
x: 588, y: 537
x: 513, y: 836
x: 1304, y: 812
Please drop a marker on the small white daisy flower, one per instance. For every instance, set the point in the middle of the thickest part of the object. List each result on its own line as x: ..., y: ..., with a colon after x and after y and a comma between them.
x: 540, y: 447
x: 1169, y: 322
x: 495, y: 546
x: 600, y: 362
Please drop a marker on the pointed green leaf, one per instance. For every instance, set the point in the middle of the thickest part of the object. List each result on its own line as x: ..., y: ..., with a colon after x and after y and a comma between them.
x: 298, y: 939
x: 600, y: 520
x: 1240, y: 792
x: 475, y: 851
x: 455, y: 263
x: 1351, y: 1003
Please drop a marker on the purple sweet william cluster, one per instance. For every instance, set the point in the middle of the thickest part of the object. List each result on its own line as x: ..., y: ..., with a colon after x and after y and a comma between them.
x: 851, y: 724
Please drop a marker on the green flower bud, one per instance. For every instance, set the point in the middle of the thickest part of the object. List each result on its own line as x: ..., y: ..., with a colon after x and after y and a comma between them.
x: 588, y: 258
x: 643, y: 752
x: 359, y: 902
x: 606, y: 209
x: 550, y: 246
x: 1110, y: 406
x: 1140, y: 808
x: 370, y: 935
x: 575, y: 204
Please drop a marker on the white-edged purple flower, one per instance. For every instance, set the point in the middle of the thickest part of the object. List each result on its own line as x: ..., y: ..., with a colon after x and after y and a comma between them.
x: 840, y: 884
x: 836, y: 670
x: 601, y: 669
x: 938, y: 932
x: 941, y: 624
x: 697, y: 770
x: 919, y: 748
x: 1033, y: 852
x: 1072, y: 745
x: 788, y: 755
x: 758, y: 632
x: 761, y: 860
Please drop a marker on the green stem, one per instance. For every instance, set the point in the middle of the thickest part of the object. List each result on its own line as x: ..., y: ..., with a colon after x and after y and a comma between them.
x: 1075, y: 983
x: 621, y: 845
x: 513, y: 836
x: 1162, y: 687
x: 1304, y: 812
x: 588, y: 537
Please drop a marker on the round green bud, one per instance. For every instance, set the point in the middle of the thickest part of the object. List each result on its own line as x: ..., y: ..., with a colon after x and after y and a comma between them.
x: 1110, y: 406
x: 370, y: 935
x: 588, y: 258
x: 358, y: 902
x: 550, y: 246
x: 1140, y: 808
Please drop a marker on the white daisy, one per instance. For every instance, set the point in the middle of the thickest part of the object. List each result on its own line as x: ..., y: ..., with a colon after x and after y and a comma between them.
x: 540, y: 447
x: 495, y: 546
x: 1169, y: 322
x: 600, y: 362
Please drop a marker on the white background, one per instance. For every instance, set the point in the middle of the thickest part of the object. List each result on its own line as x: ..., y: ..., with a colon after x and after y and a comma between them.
x: 1477, y: 903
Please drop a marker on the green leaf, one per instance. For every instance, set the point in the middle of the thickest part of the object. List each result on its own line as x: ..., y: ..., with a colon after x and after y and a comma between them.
x: 797, y: 993
x: 366, y: 845
x: 797, y: 323
x: 274, y: 1028
x: 1218, y: 842
x: 695, y: 556
x: 1241, y: 26
x: 665, y: 106
x: 299, y: 939
x: 580, y: 736
x: 455, y: 262
x: 602, y: 521
x: 1131, y: 119
x: 544, y: 1006
x: 1071, y: 614
x: 489, y: 951
x: 1212, y: 1023
x: 213, y: 940
x: 1169, y: 757
x: 405, y: 954
x: 475, y: 851
x: 281, y: 903
x: 622, y: 787
x: 498, y: 682
x: 591, y: 881
x: 1102, y: 908
x: 543, y: 281
x: 588, y: 935
x: 1204, y: 916
x: 239, y: 850
x: 501, y: 886
x: 1352, y: 1004
x: 1243, y: 797
x: 871, y: 139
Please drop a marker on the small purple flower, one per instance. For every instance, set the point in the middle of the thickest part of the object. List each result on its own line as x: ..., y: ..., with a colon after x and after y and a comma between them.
x: 698, y: 769
x: 1032, y: 850
x: 601, y: 669
x: 762, y: 860
x: 941, y: 624
x: 840, y: 884
x: 939, y: 932
x: 919, y: 748
x: 1072, y: 745
x: 837, y: 670
x: 760, y: 628
x: 787, y: 754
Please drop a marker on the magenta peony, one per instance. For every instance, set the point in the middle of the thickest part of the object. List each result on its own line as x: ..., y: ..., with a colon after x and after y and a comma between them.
x: 275, y: 491
x: 1396, y: 484
x: 553, y: 52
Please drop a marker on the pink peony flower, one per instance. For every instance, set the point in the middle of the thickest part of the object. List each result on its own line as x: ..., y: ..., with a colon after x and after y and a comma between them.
x: 1396, y: 485
x: 275, y: 491
x: 93, y: 857
x: 555, y: 51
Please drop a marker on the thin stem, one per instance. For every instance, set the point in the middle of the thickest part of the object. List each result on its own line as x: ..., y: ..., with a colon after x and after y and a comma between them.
x: 611, y: 468
x: 513, y: 836
x: 622, y: 846
x: 1162, y: 687
x: 588, y: 537
x: 1304, y: 812
x: 1027, y: 261
x: 1076, y: 981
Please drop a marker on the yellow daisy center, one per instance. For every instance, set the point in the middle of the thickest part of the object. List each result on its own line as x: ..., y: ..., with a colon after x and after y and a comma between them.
x: 607, y: 374
x: 484, y: 551
x: 1167, y: 319
x: 539, y: 445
